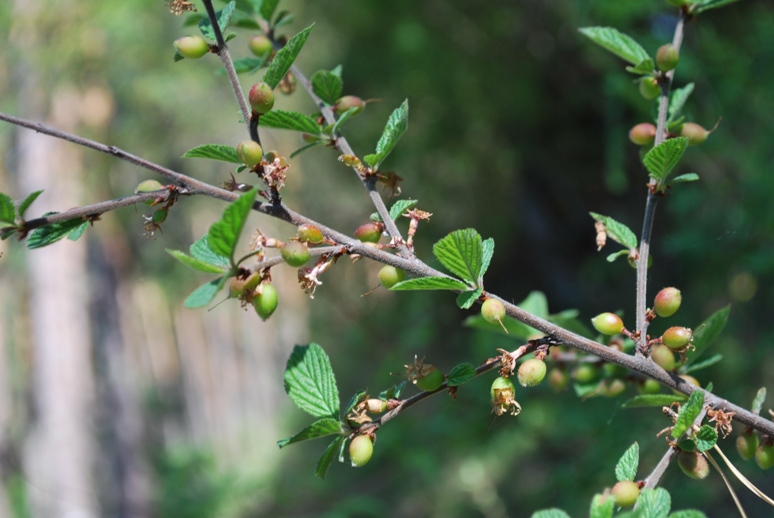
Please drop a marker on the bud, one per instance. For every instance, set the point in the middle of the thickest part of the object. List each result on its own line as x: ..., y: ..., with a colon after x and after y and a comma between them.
x: 261, y: 98
x: 667, y: 57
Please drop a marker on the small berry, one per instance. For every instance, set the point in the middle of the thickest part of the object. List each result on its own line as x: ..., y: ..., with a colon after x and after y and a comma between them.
x: 667, y: 302
x: 696, y: 134
x: 347, y: 102
x: 503, y: 395
x: 664, y: 356
x: 360, y: 450
x: 241, y: 285
x: 159, y: 216
x: 430, y: 379
x: 585, y: 373
x: 310, y: 234
x: 295, y: 254
x: 192, y: 47
x: 249, y: 152
x: 389, y: 276
x: 265, y: 300
x: 260, y: 45
x: 690, y: 379
x: 626, y: 493
x: 764, y: 456
x: 558, y: 380
x: 667, y: 57
x: 261, y: 98
x: 493, y: 311
x: 607, y: 323
x: 376, y: 406
x: 650, y: 386
x: 273, y: 156
x: 531, y: 372
x: 148, y: 186
x: 369, y: 232
x: 677, y: 337
x: 613, y: 370
x: 643, y: 134
x: 693, y: 464
x: 746, y: 445
x: 649, y: 88
x: 612, y: 388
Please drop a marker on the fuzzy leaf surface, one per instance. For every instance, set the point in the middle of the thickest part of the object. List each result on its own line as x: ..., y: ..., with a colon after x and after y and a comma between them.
x: 26, y: 202
x: 204, y: 294
x: 193, y: 262
x: 76, y: 233
x: 467, y: 298
x: 224, y: 18
x: 616, y: 231
x: 289, y: 120
x: 653, y: 400
x: 215, y: 152
x: 677, y: 100
x: 760, y: 397
x: 397, y: 124
x: 7, y: 210
x: 310, y: 383
x: 706, y: 334
x: 616, y: 42
x: 328, y: 456
x: 626, y: 469
x: 224, y: 233
x: 285, y: 57
x: 550, y: 513
x: 706, y: 438
x: 487, y: 245
x: 653, y: 503
x: 430, y: 283
x: 660, y: 160
x: 201, y: 250
x: 401, y: 206
x: 602, y: 507
x: 461, y: 252
x: 327, y: 86
x: 50, y: 234
x: 460, y: 374
x: 320, y: 428
x: 688, y: 413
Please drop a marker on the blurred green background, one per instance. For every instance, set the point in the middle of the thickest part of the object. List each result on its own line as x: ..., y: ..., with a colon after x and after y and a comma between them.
x: 518, y: 128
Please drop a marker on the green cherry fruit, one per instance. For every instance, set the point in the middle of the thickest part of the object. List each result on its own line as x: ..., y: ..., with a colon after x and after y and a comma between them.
x: 192, y: 47
x: 690, y: 379
x: 663, y: 355
x: 261, y: 98
x: 360, y: 450
x: 694, y: 133
x: 272, y: 156
x: 241, y: 285
x: 376, y: 406
x: 295, y: 254
x: 493, y: 311
x: 667, y: 302
x: 667, y: 57
x: 764, y: 456
x: 310, y: 234
x: 249, y: 152
x: 431, y: 379
x: 626, y: 493
x: 607, y: 323
x: 643, y: 134
x: 746, y: 445
x: 649, y: 88
x: 613, y: 370
x: 585, y: 373
x: 650, y: 386
x: 558, y: 380
x: 693, y: 464
x: 502, y: 389
x: 347, y: 102
x: 265, y: 300
x: 260, y: 45
x: 531, y: 372
x: 148, y: 186
x: 159, y: 216
x: 369, y: 232
x: 389, y: 276
x: 677, y: 337
x: 612, y: 388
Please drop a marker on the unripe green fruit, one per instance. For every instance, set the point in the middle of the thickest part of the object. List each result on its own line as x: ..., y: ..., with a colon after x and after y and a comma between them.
x: 694, y: 133
x: 663, y: 355
x: 693, y: 464
x: 746, y: 445
x: 249, y: 152
x: 607, y: 323
x: 389, y: 276
x: 272, y: 156
x: 239, y: 286
x: 690, y: 379
x: 192, y: 47
x: 265, y: 300
x: 764, y: 456
x: 667, y: 57
x: 493, y: 311
x: 310, y: 234
x: 626, y: 493
x: 376, y: 406
x: 585, y: 373
x: 667, y: 302
x: 295, y: 254
x: 347, y: 102
x: 643, y: 134
x: 369, y: 232
x: 159, y: 216
x: 502, y: 390
x: 650, y: 386
x: 431, y: 380
x: 558, y: 380
x: 649, y: 88
x: 677, y: 337
x: 148, y: 186
x: 360, y: 450
x: 261, y: 98
x: 531, y: 372
x: 260, y: 45
x: 612, y: 388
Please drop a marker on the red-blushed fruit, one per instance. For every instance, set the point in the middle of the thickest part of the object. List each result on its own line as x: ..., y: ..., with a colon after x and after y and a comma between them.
x: 667, y: 57
x: 585, y: 373
x: 643, y: 134
x: 260, y: 45
x: 649, y: 88
x: 241, y: 285
x: 389, y: 276
x: 192, y: 47
x: 310, y: 234
x: 369, y: 232
x: 626, y: 493
x: 159, y: 216
x: 677, y: 337
x: 347, y: 102
x: 249, y: 152
x: 148, y: 186
x: 531, y: 372
x: 667, y: 302
x: 360, y: 450
x: 493, y: 311
x: 746, y: 445
x: 663, y: 355
x: 694, y: 133
x: 430, y: 379
x: 693, y: 464
x: 265, y: 300
x: 764, y: 455
x: 608, y: 323
x: 261, y: 98
x: 558, y: 380
x: 650, y: 386
x: 295, y: 254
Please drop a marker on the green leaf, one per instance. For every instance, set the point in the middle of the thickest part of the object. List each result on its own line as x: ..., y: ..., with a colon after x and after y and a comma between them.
x: 688, y: 513
x: 392, y: 392
x: 224, y: 234
x: 687, y: 177
x: 654, y: 503
x: 430, y: 283
x: 283, y: 18
x: 214, y: 152
x: 660, y: 160
x: 688, y: 413
x: 396, y: 126
x: 616, y: 42
x: 194, y: 263
x: 461, y: 252
x: 626, y: 469
x: 460, y: 374
x: 358, y: 398
x: 328, y: 456
x: 320, y: 428
x: 616, y: 231
x: 284, y: 58
x: 615, y: 255
x: 201, y: 250
x: 343, y: 118
x: 310, y: 383
x: 7, y: 232
x: 712, y: 4
x: 706, y: 438
x: 204, y: 294
x: 568, y: 319
x: 401, y: 206
x: 468, y: 298
x: 706, y: 334
x: 289, y: 120
x: 487, y: 246
x: 757, y: 403
x: 712, y: 360
x: 7, y: 210
x: 643, y: 67
x: 223, y: 16
x: 535, y: 303
x: 76, y: 233
x: 677, y: 100
x: 550, y: 513
x: 304, y: 148
x: 654, y: 400
x: 327, y: 86
x: 50, y: 234
x: 515, y: 329
x: 602, y: 506
x: 26, y: 202
x: 249, y: 65
x: 266, y: 10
